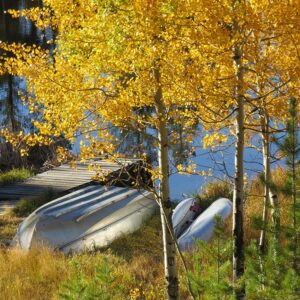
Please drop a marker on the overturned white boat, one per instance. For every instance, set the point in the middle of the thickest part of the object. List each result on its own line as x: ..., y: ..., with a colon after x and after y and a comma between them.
x: 184, y: 215
x: 190, y: 228
x: 89, y: 218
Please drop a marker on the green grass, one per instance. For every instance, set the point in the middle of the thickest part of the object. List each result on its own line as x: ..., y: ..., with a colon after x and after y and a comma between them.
x: 14, y: 175
x: 27, y: 205
x: 148, y: 240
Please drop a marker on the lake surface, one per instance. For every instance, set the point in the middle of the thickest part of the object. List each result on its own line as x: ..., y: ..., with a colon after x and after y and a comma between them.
x: 12, y: 111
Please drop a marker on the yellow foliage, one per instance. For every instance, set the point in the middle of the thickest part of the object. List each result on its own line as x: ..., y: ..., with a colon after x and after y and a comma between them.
x: 103, y: 68
x: 214, y: 139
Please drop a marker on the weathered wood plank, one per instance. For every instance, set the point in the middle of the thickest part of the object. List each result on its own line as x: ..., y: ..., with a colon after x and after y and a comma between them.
x: 61, y: 179
x: 78, y: 171
x: 66, y: 174
x: 54, y: 182
x: 70, y: 177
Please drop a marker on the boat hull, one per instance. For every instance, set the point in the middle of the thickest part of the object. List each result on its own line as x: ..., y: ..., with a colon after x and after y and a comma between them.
x: 202, y: 228
x: 90, y: 218
x: 183, y: 216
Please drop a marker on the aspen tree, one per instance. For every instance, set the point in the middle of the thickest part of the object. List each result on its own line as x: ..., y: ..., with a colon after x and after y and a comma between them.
x: 112, y: 58
x: 274, y: 74
x: 225, y: 40
x: 233, y: 31
x: 115, y: 56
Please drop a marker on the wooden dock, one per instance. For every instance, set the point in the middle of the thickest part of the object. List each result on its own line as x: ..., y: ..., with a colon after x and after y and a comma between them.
x: 64, y: 179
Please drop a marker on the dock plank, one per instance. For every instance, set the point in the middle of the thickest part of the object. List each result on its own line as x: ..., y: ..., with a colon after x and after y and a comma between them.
x: 61, y: 179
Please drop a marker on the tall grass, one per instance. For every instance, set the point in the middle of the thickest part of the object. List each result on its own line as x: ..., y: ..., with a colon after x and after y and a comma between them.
x: 8, y: 226
x: 14, y: 175
x: 29, y: 204
x: 254, y: 203
x: 131, y: 268
x: 212, y: 191
x: 36, y: 274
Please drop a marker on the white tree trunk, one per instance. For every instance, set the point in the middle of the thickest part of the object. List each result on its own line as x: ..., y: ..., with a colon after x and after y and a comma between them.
x: 269, y: 195
x: 169, y: 245
x: 238, y: 195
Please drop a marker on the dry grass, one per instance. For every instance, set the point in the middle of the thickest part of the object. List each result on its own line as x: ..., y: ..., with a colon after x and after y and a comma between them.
x: 33, y: 275
x: 212, y: 191
x: 136, y: 262
x: 27, y: 275
x: 254, y: 202
x: 8, y: 226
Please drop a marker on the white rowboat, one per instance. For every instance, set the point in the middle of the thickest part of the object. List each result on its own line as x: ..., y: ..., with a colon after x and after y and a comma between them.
x: 92, y: 217
x: 183, y: 216
x: 202, y: 227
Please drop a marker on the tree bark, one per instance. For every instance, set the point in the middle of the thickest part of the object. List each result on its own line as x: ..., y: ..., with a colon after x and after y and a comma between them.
x: 10, y: 105
x: 294, y: 123
x: 238, y: 195
x: 171, y: 272
x: 11, y: 118
x: 269, y: 195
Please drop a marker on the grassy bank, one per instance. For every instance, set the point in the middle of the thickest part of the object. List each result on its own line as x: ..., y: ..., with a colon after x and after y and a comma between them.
x: 29, y: 204
x: 14, y: 175
x: 132, y: 267
x: 8, y: 226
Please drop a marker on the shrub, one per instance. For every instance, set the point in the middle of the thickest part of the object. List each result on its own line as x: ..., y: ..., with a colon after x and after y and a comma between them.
x: 212, y: 191
x: 82, y: 286
x: 270, y: 278
x: 210, y: 266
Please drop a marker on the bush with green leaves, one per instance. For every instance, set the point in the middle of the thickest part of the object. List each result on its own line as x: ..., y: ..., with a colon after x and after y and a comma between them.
x: 210, y: 273
x: 267, y: 278
x: 102, y: 285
